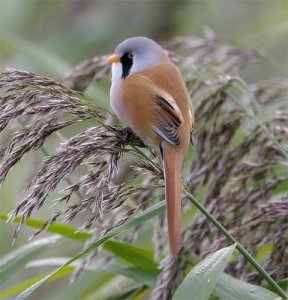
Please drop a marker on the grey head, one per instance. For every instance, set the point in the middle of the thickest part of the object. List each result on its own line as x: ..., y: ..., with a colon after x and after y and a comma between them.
x: 136, y: 54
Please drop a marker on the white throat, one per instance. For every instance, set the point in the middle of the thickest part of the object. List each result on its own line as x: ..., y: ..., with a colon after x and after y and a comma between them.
x: 116, y: 72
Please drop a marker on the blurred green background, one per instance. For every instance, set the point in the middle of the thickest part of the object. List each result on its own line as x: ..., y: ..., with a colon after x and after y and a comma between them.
x: 50, y: 37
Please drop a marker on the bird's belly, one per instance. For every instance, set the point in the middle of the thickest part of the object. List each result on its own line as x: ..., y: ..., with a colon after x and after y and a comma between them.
x: 133, y: 115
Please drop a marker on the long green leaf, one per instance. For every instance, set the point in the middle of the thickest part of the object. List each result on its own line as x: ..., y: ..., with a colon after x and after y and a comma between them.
x: 105, y: 273
x: 17, y: 259
x: 201, y: 281
x: 135, y: 255
x: 229, y: 288
x: 96, y: 277
x: 64, y: 230
x: 125, y: 294
x: 140, y: 275
x: 138, y: 219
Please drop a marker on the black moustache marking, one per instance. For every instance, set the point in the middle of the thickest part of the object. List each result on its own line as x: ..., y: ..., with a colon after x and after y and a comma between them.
x: 127, y: 63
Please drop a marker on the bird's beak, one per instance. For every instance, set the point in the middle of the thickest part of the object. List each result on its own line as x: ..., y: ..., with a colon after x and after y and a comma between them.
x: 113, y: 59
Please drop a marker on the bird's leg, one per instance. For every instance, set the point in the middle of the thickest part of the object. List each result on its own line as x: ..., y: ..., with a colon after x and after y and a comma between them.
x: 129, y: 137
x: 127, y: 134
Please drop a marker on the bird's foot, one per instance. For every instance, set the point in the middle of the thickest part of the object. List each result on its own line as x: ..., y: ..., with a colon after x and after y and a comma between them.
x: 127, y: 135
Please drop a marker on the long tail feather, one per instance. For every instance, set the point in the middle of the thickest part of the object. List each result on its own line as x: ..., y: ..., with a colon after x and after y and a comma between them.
x: 173, y: 161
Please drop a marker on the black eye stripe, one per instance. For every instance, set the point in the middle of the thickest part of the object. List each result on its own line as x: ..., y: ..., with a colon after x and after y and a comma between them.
x: 127, y: 62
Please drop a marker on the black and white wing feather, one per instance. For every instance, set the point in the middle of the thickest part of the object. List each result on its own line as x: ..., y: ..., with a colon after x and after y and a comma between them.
x: 168, y: 119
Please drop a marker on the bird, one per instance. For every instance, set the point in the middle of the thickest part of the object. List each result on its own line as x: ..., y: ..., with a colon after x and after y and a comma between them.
x: 149, y: 96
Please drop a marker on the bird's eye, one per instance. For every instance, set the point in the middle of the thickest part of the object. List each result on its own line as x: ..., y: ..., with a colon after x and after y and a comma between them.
x: 130, y: 55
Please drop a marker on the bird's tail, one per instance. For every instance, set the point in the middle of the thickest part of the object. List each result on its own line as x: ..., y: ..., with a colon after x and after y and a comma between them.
x: 173, y: 160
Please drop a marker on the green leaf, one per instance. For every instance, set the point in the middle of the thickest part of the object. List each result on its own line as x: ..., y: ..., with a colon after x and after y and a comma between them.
x: 135, y: 255
x: 145, y: 277
x: 124, y: 295
x: 81, y: 288
x: 17, y: 259
x: 229, y: 288
x: 57, y: 262
x: 64, y: 230
x: 201, y: 281
x: 135, y: 220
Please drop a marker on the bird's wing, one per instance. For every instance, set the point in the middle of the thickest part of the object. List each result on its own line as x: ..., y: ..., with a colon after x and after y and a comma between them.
x: 168, y: 118
x: 149, y: 110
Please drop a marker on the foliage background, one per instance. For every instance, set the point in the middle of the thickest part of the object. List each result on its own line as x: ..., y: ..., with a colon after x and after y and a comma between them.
x: 50, y: 37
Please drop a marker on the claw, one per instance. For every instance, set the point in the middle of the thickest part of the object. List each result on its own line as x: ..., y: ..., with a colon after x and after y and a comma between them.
x: 127, y: 134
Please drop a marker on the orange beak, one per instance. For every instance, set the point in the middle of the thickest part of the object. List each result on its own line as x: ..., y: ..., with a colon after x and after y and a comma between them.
x: 113, y: 59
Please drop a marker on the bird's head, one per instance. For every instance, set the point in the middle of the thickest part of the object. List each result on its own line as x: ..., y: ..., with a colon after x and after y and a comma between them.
x: 135, y: 55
